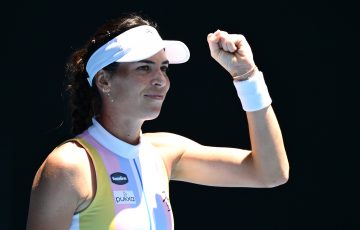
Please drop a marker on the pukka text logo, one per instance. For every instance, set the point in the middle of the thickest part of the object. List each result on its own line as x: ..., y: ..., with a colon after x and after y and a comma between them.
x: 124, y: 197
x: 119, y: 178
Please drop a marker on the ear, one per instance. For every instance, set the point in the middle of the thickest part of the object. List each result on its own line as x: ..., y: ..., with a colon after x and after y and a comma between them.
x: 102, y: 80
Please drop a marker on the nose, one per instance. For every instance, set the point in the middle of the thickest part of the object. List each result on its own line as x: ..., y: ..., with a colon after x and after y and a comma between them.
x: 160, y: 79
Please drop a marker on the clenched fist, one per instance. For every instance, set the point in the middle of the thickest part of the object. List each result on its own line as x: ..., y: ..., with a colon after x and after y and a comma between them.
x: 231, y: 51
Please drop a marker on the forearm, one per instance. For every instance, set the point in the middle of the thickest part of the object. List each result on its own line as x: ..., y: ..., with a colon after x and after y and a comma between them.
x: 268, y: 151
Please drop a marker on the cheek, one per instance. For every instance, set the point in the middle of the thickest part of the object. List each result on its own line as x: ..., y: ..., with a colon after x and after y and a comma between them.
x: 122, y: 91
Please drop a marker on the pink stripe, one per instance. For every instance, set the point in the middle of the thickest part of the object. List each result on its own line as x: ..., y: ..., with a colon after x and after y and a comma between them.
x: 167, y: 214
x: 112, y: 165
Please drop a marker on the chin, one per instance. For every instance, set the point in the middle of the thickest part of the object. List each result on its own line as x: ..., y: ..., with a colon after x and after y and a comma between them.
x: 152, y: 116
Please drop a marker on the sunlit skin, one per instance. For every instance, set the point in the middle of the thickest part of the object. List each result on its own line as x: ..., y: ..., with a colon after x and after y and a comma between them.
x: 136, y: 94
x: 65, y: 183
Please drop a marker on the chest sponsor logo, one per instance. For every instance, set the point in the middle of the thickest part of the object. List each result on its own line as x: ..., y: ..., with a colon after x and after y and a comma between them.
x: 119, y: 178
x: 124, y: 197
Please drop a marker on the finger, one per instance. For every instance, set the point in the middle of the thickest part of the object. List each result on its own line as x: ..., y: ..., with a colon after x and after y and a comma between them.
x: 227, y: 42
x: 239, y: 40
x: 230, y: 45
x: 222, y: 39
x: 213, y: 41
x: 217, y: 32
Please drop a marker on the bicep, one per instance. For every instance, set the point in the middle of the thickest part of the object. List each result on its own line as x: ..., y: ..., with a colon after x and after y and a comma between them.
x: 187, y: 160
x: 48, y: 208
x: 216, y: 166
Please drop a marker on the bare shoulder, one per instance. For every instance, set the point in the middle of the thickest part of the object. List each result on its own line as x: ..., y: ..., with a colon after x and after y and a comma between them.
x: 171, y: 147
x: 66, y: 164
x: 167, y: 139
x: 66, y: 158
x: 61, y: 186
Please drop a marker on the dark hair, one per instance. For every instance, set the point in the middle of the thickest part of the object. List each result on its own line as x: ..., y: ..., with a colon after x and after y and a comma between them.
x: 84, y: 101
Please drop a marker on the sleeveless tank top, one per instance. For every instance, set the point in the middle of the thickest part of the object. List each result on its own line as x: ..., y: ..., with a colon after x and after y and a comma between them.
x: 132, y: 185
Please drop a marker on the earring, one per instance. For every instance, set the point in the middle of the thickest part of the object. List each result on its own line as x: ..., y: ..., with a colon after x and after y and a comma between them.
x: 111, y: 99
x: 107, y: 92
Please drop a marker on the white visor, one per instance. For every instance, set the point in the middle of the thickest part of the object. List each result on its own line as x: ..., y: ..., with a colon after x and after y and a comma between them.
x: 133, y: 45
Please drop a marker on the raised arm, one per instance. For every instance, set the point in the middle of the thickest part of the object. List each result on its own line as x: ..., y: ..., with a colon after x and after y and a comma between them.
x: 266, y: 164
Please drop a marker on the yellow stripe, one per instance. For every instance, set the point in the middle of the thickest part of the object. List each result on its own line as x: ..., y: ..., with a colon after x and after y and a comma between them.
x: 101, y: 211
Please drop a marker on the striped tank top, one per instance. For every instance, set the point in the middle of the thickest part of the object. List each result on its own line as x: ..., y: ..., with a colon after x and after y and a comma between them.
x: 132, y: 185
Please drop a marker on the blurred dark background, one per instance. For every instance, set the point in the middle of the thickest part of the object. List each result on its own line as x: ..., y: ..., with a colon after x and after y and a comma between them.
x: 295, y: 44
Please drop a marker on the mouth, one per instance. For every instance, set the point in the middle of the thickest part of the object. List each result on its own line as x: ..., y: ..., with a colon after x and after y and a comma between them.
x: 155, y: 96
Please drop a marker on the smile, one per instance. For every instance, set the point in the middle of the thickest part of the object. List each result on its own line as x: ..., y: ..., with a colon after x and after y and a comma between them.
x: 155, y: 96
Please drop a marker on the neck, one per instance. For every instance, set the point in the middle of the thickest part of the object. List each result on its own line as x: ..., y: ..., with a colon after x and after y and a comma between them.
x: 126, y: 130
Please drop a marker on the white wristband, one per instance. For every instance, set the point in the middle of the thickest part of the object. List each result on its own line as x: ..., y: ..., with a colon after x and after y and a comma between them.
x: 253, y: 93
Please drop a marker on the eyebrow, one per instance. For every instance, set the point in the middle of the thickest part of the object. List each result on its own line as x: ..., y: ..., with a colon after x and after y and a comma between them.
x: 151, y: 62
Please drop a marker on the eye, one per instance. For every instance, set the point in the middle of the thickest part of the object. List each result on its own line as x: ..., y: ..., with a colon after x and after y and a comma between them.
x: 165, y: 69
x: 143, y: 68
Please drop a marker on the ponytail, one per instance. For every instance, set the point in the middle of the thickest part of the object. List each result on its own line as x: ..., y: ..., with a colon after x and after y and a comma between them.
x: 84, y: 101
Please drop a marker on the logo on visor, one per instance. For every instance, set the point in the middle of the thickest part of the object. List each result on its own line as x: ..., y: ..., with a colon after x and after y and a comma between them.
x: 148, y: 31
x: 119, y: 178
